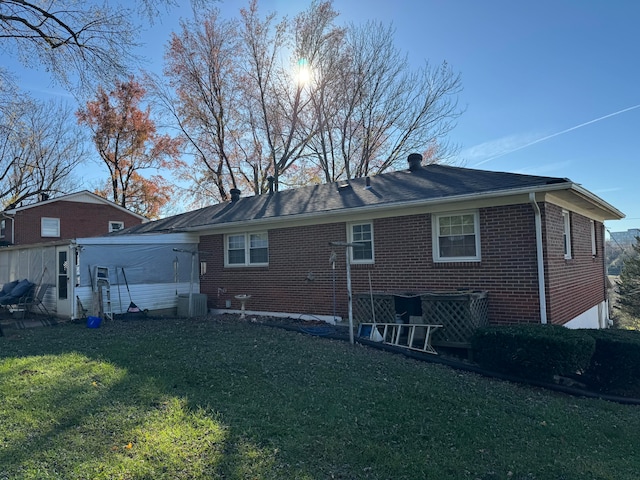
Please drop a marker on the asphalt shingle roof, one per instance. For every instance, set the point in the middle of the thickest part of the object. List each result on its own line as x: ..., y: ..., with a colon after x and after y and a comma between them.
x: 428, y: 183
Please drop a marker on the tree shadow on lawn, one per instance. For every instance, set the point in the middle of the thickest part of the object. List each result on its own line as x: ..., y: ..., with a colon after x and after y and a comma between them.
x: 79, y: 411
x: 198, y: 398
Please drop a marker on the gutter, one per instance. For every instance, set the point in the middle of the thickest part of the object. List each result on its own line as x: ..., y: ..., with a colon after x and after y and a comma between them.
x: 540, y: 259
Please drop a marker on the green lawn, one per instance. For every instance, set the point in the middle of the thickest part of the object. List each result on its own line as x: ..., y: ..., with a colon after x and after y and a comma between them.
x: 207, y: 399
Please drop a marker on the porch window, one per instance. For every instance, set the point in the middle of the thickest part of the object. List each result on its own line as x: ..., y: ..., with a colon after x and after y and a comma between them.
x: 361, y: 233
x: 247, y: 249
x: 566, y: 234
x: 49, y: 227
x: 456, y: 237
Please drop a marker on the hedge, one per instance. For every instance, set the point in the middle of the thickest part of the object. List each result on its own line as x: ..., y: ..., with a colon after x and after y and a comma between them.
x: 533, y: 351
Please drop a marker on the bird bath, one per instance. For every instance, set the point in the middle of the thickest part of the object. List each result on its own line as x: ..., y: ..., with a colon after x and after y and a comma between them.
x: 243, y: 299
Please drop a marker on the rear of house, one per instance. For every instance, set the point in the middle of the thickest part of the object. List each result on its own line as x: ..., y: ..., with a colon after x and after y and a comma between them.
x: 533, y: 244
x: 81, y: 214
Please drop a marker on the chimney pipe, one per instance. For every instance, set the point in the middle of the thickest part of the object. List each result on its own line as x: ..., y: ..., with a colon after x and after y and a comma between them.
x: 270, y: 179
x: 415, y: 162
x: 235, y: 194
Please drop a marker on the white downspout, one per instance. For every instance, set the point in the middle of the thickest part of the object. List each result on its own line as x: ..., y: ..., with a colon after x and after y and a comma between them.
x: 540, y: 258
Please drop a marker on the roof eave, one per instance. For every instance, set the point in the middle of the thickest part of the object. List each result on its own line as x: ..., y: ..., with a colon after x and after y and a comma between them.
x: 407, y: 204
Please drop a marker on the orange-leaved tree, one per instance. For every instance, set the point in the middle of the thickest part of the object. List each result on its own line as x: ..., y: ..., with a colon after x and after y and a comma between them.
x: 128, y: 143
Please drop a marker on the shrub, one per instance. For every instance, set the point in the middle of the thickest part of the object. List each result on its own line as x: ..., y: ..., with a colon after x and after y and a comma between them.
x: 533, y: 351
x: 615, y: 365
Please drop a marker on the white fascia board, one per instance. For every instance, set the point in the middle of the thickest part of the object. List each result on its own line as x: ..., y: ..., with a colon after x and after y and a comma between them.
x: 140, y: 239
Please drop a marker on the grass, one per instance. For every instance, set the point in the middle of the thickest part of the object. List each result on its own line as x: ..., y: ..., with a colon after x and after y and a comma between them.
x: 208, y: 399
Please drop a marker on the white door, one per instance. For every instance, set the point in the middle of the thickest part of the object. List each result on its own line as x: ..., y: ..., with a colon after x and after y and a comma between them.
x: 63, y: 281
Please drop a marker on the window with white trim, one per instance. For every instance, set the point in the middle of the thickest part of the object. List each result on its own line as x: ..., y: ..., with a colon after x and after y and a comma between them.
x: 361, y: 233
x: 456, y: 237
x: 3, y: 228
x: 247, y: 249
x: 115, y: 226
x: 566, y: 234
x: 49, y: 227
x: 594, y: 249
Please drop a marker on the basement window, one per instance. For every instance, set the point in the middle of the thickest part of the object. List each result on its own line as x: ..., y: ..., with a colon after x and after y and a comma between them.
x: 247, y: 249
x: 456, y: 237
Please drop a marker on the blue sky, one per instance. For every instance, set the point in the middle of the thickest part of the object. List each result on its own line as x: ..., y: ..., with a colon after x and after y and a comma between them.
x: 550, y: 87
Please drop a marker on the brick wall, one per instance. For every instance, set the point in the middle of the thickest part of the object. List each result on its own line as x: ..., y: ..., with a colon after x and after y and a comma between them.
x: 76, y: 220
x: 577, y: 284
x: 299, y: 277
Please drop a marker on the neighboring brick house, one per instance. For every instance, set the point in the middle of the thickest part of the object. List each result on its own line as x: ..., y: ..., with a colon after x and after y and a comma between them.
x: 534, y: 244
x: 81, y: 214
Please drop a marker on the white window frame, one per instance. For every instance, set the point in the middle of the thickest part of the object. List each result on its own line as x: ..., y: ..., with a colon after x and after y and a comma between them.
x: 435, y: 232
x: 247, y: 250
x: 112, y: 223
x: 566, y: 234
x: 49, y: 227
x: 355, y: 238
x: 594, y: 246
x: 3, y: 228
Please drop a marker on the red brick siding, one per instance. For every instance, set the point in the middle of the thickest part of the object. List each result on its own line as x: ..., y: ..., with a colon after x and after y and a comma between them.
x: 76, y: 220
x: 403, y: 263
x: 578, y: 284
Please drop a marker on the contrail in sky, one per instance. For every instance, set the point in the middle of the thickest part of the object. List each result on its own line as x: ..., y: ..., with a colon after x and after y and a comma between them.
x: 558, y: 133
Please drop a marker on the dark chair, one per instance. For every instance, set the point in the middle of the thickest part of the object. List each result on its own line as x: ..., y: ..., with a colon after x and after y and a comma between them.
x: 20, y: 297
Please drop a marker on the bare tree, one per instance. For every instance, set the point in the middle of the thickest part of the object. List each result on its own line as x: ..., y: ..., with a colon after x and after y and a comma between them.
x: 301, y: 101
x: 70, y: 38
x: 202, y: 65
x: 378, y: 109
x: 40, y: 145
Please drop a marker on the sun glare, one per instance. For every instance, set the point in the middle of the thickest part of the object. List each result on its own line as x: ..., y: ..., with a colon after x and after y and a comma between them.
x: 303, y: 72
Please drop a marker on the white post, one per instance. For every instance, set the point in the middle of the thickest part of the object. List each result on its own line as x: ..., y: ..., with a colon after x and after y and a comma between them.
x: 347, y: 246
x: 348, y: 256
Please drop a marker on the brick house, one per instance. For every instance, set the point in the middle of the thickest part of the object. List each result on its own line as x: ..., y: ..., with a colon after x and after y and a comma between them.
x: 534, y: 244
x: 81, y: 214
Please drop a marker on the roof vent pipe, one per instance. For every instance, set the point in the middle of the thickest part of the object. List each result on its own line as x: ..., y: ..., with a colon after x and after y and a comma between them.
x: 271, y: 180
x: 415, y: 162
x: 235, y: 194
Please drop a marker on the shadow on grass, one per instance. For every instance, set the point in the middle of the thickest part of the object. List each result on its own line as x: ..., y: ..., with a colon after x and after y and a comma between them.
x: 212, y: 399
x: 78, y: 411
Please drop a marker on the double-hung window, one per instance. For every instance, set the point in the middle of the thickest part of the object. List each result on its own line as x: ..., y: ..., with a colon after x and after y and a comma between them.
x: 247, y: 249
x: 456, y: 237
x: 566, y: 234
x: 361, y: 233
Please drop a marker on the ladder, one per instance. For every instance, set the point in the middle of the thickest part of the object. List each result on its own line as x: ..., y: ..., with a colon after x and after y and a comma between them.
x: 413, y: 336
x: 102, y: 292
